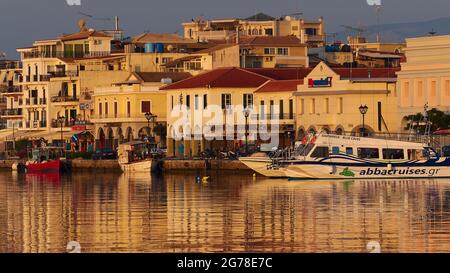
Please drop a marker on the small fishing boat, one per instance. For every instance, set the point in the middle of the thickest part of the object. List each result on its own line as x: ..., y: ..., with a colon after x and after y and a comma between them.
x: 137, y: 156
x: 329, y: 156
x: 46, y: 159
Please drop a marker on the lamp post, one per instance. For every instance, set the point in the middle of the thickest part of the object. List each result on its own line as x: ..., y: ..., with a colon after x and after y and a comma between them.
x: 246, y: 114
x: 61, y: 122
x: 150, y: 118
x: 363, y: 111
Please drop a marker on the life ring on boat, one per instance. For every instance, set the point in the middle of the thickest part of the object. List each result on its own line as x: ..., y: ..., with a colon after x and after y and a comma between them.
x: 311, y: 141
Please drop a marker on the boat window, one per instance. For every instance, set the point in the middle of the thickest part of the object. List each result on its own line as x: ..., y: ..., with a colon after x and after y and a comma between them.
x: 303, y: 150
x: 393, y: 154
x: 349, y: 150
x: 335, y: 150
x: 368, y: 153
x: 320, y: 152
x: 415, y: 154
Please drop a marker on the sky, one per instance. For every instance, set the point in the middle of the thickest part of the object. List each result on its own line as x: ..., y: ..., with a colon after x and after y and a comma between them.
x: 23, y: 21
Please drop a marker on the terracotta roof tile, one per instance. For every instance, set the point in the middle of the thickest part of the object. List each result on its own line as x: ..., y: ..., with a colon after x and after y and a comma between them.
x: 83, y: 35
x: 282, y: 73
x: 280, y: 86
x: 270, y: 40
x: 222, y: 77
x: 366, y: 73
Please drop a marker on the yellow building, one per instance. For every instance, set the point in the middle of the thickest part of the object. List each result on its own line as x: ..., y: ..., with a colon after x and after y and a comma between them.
x: 57, y: 78
x: 425, y: 76
x: 310, y: 32
x: 329, y: 100
x: 218, y: 90
x: 120, y: 109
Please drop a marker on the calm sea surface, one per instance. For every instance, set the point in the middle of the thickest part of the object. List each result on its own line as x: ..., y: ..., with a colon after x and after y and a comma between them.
x: 107, y: 212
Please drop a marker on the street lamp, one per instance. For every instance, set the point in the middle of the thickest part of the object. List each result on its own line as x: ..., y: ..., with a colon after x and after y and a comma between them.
x: 363, y: 111
x: 150, y: 118
x: 61, y: 122
x: 246, y: 114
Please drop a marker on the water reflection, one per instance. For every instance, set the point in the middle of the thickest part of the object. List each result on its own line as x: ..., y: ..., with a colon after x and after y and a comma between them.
x: 139, y: 213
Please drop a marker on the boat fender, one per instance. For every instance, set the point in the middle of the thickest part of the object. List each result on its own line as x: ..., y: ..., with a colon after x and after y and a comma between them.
x: 389, y: 167
x: 15, y: 166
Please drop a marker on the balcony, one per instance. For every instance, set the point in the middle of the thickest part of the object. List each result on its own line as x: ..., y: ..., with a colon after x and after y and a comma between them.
x: 67, y: 54
x: 35, y: 124
x: 66, y: 123
x: 11, y: 112
x: 62, y: 99
x: 10, y: 89
x: 31, y: 101
x: 62, y: 74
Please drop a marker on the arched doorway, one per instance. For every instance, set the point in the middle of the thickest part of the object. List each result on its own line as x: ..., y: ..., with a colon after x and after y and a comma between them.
x: 360, y: 131
x: 339, y: 130
x: 312, y: 130
x: 120, y: 136
x: 129, y: 134
x: 100, y: 139
x: 110, y: 139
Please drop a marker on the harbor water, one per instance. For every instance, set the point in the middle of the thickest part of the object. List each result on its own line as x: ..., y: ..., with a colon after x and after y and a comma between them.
x: 229, y: 212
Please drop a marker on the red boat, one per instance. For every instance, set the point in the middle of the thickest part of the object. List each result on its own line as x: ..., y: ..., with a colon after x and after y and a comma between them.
x: 46, y: 160
x: 50, y: 166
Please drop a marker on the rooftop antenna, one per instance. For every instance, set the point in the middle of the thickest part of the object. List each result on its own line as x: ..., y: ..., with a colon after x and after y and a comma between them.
x: 432, y: 32
x: 377, y: 5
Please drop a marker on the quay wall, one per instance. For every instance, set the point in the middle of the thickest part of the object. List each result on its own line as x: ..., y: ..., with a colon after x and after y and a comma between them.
x: 168, y: 164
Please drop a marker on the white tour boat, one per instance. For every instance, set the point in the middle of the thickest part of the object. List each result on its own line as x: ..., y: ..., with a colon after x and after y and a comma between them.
x: 328, y: 156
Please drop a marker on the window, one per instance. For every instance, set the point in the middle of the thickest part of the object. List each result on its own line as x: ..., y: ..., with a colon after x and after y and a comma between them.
x: 271, y: 108
x: 335, y: 150
x: 268, y: 31
x: 188, y: 101
x: 262, y: 110
x: 226, y: 101
x: 291, y: 109
x: 368, y: 153
x: 302, y: 106
x: 115, y: 109
x: 269, y: 51
x: 171, y: 102
x: 145, y: 107
x: 349, y: 151
x: 340, y: 105
x: 311, y: 31
x: 320, y: 152
x: 128, y: 108
x: 196, y: 102
x: 100, y: 111
x: 415, y: 154
x: 106, y: 108
x: 248, y: 101
x: 313, y: 106
x: 284, y: 51
x: 393, y: 154
x: 205, y: 101
x: 447, y: 88
x: 326, y: 106
x: 281, y: 110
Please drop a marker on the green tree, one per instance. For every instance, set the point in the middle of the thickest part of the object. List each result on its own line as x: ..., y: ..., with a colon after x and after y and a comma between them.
x: 439, y: 120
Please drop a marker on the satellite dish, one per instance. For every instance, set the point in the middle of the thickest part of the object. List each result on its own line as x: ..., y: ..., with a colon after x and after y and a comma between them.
x: 82, y: 25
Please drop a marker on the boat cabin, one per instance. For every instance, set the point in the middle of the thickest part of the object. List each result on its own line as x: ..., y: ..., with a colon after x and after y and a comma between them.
x: 325, y: 146
x: 43, y: 154
x: 135, y: 151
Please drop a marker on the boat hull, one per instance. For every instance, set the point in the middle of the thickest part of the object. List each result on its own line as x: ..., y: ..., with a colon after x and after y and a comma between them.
x: 261, y: 166
x: 141, y: 166
x: 384, y: 171
x: 51, y: 166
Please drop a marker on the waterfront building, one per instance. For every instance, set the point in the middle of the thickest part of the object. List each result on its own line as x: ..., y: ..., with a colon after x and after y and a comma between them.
x: 425, y: 77
x: 329, y: 98
x: 57, y: 78
x: 120, y: 109
x: 222, y: 87
x: 280, y: 93
x: 310, y: 32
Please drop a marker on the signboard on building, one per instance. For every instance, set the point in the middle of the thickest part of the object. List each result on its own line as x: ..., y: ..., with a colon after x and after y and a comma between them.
x: 325, y: 82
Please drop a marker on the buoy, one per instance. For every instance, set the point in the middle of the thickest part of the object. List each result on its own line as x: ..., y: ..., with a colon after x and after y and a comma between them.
x: 197, y: 179
x: 205, y: 179
x: 254, y: 175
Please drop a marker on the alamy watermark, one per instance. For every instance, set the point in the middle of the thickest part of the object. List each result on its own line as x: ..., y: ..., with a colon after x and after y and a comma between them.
x: 73, y: 247
x: 73, y: 2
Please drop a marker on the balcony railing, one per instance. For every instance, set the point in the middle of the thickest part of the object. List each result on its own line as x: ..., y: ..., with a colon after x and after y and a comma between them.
x: 35, y: 124
x: 61, y: 74
x: 31, y: 101
x: 67, y: 54
x: 11, y: 112
x: 10, y: 89
x: 64, y: 99
x: 66, y: 123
